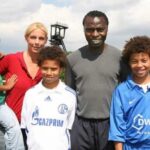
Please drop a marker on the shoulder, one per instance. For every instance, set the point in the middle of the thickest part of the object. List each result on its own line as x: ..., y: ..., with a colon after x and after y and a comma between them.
x: 122, y: 88
x: 10, y: 61
x: 113, y: 49
x: 76, y: 54
x: 34, y: 90
x: 69, y: 91
x: 73, y: 56
x: 112, y: 53
x: 13, y: 55
x: 68, y: 94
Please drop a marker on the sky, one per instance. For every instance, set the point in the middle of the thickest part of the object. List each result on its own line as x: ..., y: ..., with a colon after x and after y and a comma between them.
x: 127, y: 18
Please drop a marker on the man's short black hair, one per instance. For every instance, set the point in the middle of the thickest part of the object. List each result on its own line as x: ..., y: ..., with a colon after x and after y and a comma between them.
x: 96, y: 13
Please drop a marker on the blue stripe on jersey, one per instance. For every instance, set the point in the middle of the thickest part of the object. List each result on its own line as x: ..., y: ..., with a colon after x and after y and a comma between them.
x: 67, y: 88
x: 68, y: 137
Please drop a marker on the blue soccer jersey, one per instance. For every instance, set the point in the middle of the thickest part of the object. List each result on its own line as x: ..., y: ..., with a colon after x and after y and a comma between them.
x: 130, y: 116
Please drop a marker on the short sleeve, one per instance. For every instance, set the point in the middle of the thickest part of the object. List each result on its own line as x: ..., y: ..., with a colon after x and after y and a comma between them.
x: 117, y: 121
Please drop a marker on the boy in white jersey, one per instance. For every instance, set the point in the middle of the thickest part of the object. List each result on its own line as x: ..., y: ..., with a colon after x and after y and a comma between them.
x: 49, y: 107
x: 130, y: 113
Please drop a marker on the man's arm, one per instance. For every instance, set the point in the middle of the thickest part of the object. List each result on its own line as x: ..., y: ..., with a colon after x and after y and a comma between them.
x: 69, y: 76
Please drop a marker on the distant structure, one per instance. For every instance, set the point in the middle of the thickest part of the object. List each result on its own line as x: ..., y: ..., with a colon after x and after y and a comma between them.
x: 57, y: 34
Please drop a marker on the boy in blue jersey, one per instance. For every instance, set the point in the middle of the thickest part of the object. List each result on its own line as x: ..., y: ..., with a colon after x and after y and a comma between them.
x: 130, y: 112
x: 49, y: 107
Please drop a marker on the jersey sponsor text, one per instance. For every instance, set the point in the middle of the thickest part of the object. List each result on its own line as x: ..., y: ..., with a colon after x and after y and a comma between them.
x: 47, y: 122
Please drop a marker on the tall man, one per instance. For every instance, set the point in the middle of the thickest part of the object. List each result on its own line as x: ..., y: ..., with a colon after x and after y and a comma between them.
x: 93, y: 72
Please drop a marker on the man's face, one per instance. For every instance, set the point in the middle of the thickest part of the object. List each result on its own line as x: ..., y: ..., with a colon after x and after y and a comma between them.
x: 95, y: 29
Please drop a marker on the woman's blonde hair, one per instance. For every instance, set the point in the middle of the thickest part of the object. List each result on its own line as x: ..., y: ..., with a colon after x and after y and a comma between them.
x: 35, y: 26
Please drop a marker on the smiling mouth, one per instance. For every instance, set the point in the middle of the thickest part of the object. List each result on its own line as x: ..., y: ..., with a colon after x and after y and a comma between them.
x: 36, y: 47
x: 97, y: 41
x: 141, y: 71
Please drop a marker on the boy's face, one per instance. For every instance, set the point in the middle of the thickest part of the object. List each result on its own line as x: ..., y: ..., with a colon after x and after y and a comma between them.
x: 140, y: 65
x: 51, y: 71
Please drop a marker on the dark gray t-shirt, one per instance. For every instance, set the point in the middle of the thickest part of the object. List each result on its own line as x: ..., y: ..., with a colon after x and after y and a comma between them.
x: 93, y: 75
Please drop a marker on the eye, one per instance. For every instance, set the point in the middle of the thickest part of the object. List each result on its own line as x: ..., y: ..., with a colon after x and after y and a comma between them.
x: 44, y: 68
x: 89, y: 30
x: 54, y: 69
x: 32, y: 37
x: 133, y: 61
x: 41, y: 38
x: 100, y: 29
x: 144, y: 60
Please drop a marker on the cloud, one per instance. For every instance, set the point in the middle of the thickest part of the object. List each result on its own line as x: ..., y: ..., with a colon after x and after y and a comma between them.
x: 16, y: 10
x: 127, y: 18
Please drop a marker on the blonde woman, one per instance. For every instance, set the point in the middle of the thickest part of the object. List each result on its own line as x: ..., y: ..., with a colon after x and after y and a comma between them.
x: 24, y: 66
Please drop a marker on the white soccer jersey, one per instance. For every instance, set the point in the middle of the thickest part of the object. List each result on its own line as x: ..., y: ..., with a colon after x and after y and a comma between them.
x: 47, y: 114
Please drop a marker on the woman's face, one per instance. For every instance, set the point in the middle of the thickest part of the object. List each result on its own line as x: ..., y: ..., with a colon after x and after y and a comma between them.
x: 36, y: 40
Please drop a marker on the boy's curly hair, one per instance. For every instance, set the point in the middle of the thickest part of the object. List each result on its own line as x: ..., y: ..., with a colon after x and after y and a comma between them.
x: 137, y: 44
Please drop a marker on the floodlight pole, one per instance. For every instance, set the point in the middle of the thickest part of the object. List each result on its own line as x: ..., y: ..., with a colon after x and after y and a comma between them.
x: 57, y: 35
